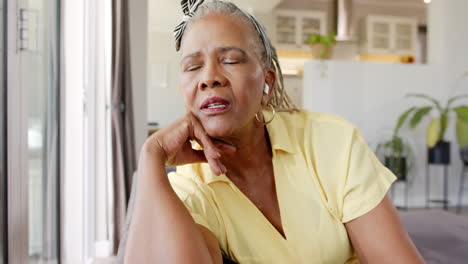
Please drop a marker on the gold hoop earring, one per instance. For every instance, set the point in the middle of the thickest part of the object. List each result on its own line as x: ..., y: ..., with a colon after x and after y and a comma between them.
x: 269, y: 121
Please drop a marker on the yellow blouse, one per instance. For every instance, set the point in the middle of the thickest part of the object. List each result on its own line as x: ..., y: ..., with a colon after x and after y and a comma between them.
x: 325, y: 174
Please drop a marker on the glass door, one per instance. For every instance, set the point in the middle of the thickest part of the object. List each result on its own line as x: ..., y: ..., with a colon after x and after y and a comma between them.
x: 33, y: 125
x: 39, y: 80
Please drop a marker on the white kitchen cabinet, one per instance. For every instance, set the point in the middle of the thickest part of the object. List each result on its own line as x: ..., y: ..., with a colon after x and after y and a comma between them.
x: 293, y: 28
x: 389, y: 35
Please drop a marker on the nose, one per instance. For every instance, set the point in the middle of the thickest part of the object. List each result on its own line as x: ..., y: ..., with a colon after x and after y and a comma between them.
x: 212, y: 77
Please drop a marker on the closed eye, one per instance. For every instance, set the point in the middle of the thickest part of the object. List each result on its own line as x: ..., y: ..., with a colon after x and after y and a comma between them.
x: 230, y: 62
x: 193, y: 68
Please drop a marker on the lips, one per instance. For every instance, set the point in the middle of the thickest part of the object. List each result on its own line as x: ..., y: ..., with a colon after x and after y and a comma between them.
x: 215, y: 105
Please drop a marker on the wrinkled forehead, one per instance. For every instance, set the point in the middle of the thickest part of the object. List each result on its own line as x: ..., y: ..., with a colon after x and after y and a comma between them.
x: 219, y: 30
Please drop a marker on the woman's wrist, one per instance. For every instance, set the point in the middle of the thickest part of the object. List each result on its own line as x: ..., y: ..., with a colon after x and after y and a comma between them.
x: 152, y: 162
x: 153, y: 148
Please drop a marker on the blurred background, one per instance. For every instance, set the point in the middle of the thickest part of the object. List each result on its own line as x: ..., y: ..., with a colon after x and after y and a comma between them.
x: 84, y: 83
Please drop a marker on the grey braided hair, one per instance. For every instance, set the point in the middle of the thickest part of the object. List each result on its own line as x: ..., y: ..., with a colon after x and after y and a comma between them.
x: 194, y: 10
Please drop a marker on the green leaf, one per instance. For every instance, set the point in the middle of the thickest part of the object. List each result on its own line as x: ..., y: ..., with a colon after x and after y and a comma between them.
x: 420, y: 113
x: 397, y: 145
x: 462, y: 112
x: 444, y: 118
x: 314, y: 38
x: 455, y: 98
x: 402, y: 119
x: 434, y: 101
x: 389, y: 144
x: 433, y: 132
x: 462, y: 133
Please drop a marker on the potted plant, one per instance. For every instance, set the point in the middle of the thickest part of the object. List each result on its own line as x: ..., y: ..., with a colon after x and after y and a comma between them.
x: 396, y: 151
x: 322, y: 45
x: 438, y: 147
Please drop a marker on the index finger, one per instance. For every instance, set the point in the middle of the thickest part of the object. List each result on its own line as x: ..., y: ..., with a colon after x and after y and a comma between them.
x: 211, y: 153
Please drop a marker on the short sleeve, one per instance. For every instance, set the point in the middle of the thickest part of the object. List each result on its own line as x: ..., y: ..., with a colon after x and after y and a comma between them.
x: 198, y: 202
x: 367, y: 180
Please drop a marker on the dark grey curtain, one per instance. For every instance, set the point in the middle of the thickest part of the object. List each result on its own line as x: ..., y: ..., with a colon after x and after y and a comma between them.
x: 123, y: 141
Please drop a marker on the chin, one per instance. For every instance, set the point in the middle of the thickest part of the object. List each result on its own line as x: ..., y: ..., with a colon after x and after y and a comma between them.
x: 218, y: 128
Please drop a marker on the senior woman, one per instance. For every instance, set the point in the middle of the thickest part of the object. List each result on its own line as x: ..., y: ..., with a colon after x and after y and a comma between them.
x: 264, y: 182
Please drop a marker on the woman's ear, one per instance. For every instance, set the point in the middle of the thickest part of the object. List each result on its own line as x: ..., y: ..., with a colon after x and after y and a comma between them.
x: 270, y: 82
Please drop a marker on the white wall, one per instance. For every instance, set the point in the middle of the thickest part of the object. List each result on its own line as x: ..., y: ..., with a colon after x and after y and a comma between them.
x: 164, y: 102
x: 448, y: 36
x: 371, y: 95
x: 139, y: 53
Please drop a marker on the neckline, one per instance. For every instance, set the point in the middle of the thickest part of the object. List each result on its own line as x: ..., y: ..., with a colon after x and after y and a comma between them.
x: 257, y: 210
x: 264, y: 218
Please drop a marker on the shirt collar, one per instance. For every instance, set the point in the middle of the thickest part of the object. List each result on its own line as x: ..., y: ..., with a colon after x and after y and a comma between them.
x: 280, y: 138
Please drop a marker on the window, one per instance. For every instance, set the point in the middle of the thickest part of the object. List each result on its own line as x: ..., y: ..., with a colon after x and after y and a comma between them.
x: 33, y: 131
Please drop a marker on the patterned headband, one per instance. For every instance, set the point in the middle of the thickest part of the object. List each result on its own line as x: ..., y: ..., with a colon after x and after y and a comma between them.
x: 189, y: 7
